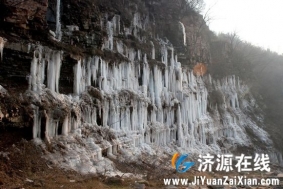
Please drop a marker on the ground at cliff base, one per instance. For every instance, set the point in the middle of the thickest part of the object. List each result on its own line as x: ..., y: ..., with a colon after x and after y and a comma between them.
x: 22, y: 167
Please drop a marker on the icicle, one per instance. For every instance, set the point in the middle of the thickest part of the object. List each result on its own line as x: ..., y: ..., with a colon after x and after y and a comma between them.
x: 139, y: 54
x: 137, y: 20
x: 179, y: 127
x: 58, y: 24
x: 41, y: 71
x: 29, y: 47
x: 2, y: 43
x: 51, y: 74
x: 1, y: 114
x: 53, y: 71
x: 164, y: 54
x: 119, y: 47
x: 88, y: 71
x: 94, y: 68
x: 209, y: 78
x: 131, y: 55
x: 33, y: 71
x: 118, y: 18
x: 157, y: 75
x: 184, y: 33
x: 110, y: 35
x: 65, y: 128
x: 153, y: 50
x: 58, y: 62
x: 114, y: 25
x: 49, y: 127
x: 145, y: 59
x: 79, y: 75
x: 37, y: 69
x: 36, y: 123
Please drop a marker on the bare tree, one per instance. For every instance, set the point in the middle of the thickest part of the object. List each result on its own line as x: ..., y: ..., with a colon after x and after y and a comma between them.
x: 197, y: 5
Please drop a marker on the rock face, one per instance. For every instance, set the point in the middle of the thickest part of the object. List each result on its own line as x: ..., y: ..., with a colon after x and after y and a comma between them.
x: 122, y: 91
x: 27, y: 15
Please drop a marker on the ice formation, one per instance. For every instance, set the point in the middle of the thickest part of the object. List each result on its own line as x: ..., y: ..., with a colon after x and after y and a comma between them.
x: 184, y: 33
x: 58, y: 23
x: 2, y: 43
x: 72, y: 28
x: 139, y: 104
x: 152, y: 51
x: 1, y: 115
x: 128, y: 106
x: 38, y: 65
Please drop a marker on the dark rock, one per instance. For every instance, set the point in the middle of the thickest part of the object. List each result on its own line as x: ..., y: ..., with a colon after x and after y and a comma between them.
x: 114, y: 180
x: 139, y: 186
x: 29, y: 14
x: 38, y: 183
x: 216, y: 187
x: 145, y: 182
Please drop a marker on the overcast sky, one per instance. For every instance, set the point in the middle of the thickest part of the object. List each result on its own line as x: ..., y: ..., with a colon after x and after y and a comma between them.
x: 257, y: 21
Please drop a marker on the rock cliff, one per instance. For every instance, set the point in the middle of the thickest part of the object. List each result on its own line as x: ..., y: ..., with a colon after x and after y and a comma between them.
x: 98, y: 80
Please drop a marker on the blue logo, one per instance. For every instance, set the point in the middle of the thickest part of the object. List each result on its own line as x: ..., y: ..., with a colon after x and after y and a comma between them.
x: 178, y: 162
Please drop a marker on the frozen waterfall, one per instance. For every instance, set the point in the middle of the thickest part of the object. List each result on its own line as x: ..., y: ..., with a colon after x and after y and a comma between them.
x: 184, y: 33
x: 58, y: 23
x: 133, y: 97
x: 43, y: 55
x: 136, y: 101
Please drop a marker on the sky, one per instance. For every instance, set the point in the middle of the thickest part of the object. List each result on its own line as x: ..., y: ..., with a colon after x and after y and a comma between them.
x: 259, y: 22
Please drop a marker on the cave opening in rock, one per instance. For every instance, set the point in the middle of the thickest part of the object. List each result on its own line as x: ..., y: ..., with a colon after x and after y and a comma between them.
x: 99, y: 118
x: 43, y: 128
x: 177, y: 138
x: 60, y: 128
x: 10, y: 134
x: 140, y: 77
x: 151, y: 137
x: 175, y: 116
x: 104, y: 153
